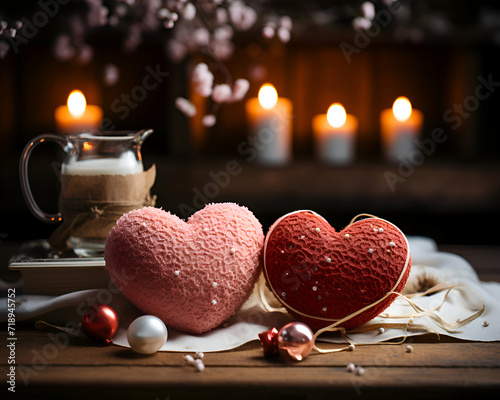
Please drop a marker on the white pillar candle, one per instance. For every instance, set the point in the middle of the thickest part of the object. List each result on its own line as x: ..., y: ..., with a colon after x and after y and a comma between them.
x: 77, y: 116
x: 335, y: 135
x: 400, y: 127
x: 270, y: 122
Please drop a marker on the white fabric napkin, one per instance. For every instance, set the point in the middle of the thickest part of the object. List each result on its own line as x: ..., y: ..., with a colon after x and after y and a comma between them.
x: 252, y: 319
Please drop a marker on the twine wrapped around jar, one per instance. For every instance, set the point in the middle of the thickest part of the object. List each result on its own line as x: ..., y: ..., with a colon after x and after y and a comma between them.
x: 91, y: 204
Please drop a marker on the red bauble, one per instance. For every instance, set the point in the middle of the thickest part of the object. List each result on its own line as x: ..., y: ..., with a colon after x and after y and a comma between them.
x: 100, y: 323
x: 294, y: 341
x: 268, y: 340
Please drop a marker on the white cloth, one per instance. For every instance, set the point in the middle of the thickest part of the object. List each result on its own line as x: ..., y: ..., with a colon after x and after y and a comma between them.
x: 252, y: 319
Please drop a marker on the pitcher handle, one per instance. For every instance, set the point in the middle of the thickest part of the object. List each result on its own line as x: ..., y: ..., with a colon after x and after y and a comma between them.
x: 23, y: 175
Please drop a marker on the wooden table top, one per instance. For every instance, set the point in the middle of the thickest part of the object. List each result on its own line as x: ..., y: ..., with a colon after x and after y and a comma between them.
x: 436, y: 368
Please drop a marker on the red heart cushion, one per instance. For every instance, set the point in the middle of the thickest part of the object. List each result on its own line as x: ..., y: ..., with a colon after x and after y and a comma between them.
x: 322, y: 276
x: 193, y: 275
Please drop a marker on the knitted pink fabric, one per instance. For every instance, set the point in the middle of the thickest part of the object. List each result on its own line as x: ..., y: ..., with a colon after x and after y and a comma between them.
x: 192, y: 275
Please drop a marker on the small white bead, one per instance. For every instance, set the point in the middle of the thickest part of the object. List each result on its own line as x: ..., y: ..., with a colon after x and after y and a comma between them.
x: 317, y: 230
x: 177, y: 273
x: 411, y: 320
x: 380, y: 230
x: 282, y: 251
x: 324, y: 309
x: 314, y: 288
x: 346, y: 236
x: 409, y: 349
x: 200, y: 366
x: 189, y: 359
x: 200, y: 355
x: 370, y: 251
x: 381, y: 330
x: 486, y: 323
x: 214, y: 302
x: 350, y: 367
x: 328, y: 259
x: 283, y: 294
x: 302, y: 237
x: 351, y: 347
x: 214, y: 284
x: 232, y: 251
x: 359, y: 371
x: 392, y: 244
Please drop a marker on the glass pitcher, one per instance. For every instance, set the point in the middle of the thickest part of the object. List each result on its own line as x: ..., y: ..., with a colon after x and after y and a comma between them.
x: 102, y: 177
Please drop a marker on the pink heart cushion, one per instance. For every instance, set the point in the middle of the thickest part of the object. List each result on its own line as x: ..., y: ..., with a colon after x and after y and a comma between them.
x: 192, y: 275
x: 322, y: 276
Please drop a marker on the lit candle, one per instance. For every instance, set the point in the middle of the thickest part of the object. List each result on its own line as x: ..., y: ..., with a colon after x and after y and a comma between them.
x: 77, y: 116
x: 270, y: 124
x: 335, y: 135
x: 401, y: 128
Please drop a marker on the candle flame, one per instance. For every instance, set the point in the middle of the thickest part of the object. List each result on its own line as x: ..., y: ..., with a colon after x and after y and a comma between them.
x: 401, y: 109
x: 336, y: 115
x: 87, y: 146
x: 268, y: 96
x: 76, y: 103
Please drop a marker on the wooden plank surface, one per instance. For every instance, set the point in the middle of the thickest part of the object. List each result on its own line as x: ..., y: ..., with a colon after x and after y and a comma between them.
x: 81, y: 352
x: 255, y: 383
x: 82, y: 368
x: 53, y: 365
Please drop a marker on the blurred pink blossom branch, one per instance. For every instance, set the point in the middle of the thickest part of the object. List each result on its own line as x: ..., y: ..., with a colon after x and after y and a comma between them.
x: 205, y: 27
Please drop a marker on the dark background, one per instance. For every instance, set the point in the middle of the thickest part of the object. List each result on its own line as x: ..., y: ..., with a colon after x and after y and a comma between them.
x: 454, y: 196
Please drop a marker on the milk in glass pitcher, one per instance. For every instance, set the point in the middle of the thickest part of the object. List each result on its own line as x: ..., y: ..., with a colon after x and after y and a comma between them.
x: 102, y: 177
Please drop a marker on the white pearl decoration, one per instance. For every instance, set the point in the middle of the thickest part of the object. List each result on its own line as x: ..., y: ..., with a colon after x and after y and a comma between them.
x: 360, y: 371
x: 147, y: 334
